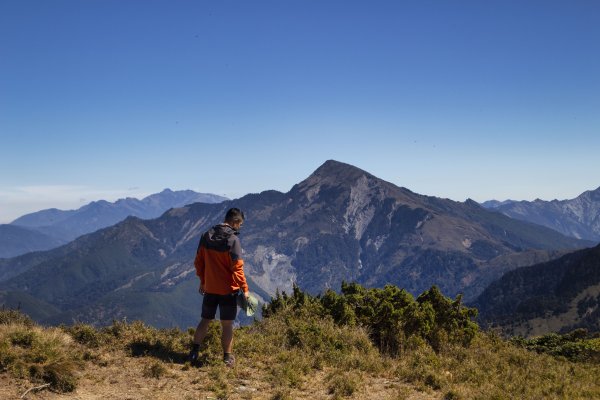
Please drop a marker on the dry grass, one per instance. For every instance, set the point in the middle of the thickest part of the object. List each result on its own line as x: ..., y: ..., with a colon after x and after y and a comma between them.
x: 494, y: 369
x: 287, y: 356
x: 39, y: 355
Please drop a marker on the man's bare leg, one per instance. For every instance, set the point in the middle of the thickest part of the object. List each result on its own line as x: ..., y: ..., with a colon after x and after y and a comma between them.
x: 201, y: 330
x: 227, y: 342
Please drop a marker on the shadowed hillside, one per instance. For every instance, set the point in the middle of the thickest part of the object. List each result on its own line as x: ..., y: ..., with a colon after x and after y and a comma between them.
x: 556, y: 296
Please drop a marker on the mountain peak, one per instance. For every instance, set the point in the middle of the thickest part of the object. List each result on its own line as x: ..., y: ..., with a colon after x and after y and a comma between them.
x: 339, y: 171
x: 335, y: 166
x: 592, y: 195
x: 472, y: 203
x: 332, y: 173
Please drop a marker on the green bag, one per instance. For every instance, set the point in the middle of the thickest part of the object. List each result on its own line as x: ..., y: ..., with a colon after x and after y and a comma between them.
x: 249, y: 304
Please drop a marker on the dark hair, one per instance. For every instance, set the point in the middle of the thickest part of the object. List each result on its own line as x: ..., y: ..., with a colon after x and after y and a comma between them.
x: 234, y: 215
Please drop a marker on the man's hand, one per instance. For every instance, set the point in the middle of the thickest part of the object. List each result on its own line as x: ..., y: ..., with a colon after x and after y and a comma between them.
x: 246, y: 294
x: 202, y: 289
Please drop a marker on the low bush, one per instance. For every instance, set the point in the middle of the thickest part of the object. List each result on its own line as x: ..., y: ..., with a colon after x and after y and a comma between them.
x: 85, y: 334
x: 577, y: 345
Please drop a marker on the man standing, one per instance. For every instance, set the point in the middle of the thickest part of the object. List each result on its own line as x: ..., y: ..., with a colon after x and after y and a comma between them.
x: 220, y: 267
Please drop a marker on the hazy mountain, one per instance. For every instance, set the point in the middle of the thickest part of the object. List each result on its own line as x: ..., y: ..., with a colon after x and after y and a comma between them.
x: 60, y: 227
x: 496, y: 203
x: 341, y: 223
x: 559, y: 295
x: 16, y: 240
x: 578, y: 217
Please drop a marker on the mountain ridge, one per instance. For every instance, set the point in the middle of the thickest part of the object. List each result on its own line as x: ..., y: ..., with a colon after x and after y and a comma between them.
x: 62, y: 226
x: 339, y: 224
x: 17, y: 240
x: 578, y: 217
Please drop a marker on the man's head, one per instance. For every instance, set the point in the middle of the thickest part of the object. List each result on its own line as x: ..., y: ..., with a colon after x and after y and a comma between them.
x: 234, y: 218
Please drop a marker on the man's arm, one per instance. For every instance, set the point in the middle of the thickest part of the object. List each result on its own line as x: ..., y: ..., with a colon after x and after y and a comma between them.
x: 238, y: 275
x: 200, y: 266
x: 237, y: 266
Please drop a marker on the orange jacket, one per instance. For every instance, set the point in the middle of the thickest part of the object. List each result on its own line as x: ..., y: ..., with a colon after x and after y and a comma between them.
x: 219, y: 261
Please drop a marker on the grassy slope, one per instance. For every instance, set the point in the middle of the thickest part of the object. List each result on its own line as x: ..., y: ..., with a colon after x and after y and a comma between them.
x: 290, y: 355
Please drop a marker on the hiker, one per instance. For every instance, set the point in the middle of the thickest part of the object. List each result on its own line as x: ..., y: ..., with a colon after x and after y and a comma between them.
x: 220, y: 267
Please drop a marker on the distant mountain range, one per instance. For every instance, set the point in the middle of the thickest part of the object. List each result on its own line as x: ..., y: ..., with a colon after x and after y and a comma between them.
x: 50, y: 228
x: 578, y: 217
x: 339, y: 224
x: 555, y: 296
x: 17, y: 240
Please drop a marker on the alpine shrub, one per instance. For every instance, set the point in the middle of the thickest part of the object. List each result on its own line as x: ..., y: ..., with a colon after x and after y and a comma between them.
x: 391, y: 315
x: 577, y: 345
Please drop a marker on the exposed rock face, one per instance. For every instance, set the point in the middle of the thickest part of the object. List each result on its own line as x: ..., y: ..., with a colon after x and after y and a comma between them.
x: 271, y: 270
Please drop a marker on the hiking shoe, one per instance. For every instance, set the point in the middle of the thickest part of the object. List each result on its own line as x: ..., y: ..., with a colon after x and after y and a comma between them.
x: 229, y: 360
x: 193, y: 357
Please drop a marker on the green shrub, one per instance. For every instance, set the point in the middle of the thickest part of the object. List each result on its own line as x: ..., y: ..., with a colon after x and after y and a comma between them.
x: 577, y: 345
x: 85, y: 334
x: 299, y: 302
x: 391, y: 315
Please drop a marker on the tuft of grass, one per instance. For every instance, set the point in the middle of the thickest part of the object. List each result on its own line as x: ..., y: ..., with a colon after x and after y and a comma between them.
x: 155, y: 370
x: 452, y: 395
x: 139, y: 339
x: 45, y: 355
x: 220, y: 380
x: 10, y: 316
x: 343, y: 383
x: 282, y: 394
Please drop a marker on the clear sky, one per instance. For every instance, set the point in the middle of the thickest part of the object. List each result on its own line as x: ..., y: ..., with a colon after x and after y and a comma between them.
x: 103, y: 99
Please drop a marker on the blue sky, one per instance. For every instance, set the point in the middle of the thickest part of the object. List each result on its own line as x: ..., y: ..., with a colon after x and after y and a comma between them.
x: 103, y: 99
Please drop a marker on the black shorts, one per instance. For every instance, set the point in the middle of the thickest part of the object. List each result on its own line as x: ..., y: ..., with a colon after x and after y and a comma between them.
x: 227, y: 306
